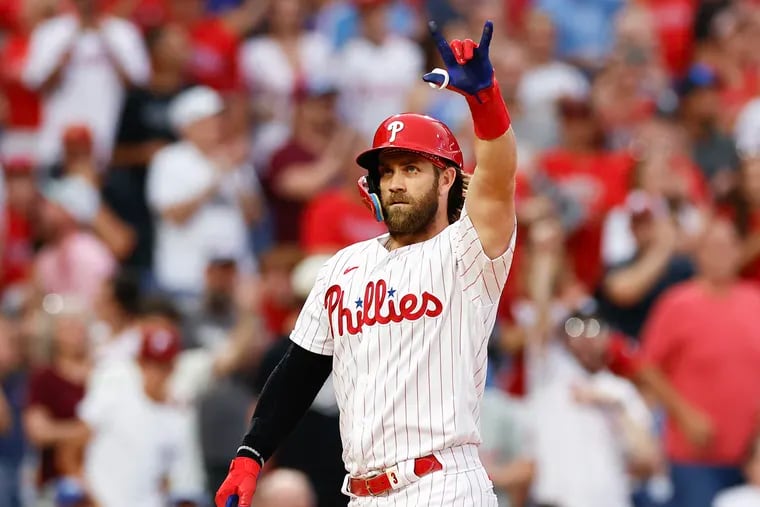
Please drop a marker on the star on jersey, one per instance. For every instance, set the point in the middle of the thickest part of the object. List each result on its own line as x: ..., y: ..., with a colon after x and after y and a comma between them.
x: 359, y: 303
x: 391, y: 292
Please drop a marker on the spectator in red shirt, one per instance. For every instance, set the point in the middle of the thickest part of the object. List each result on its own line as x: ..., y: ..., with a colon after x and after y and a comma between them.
x: 310, y: 162
x: 23, y: 105
x: 216, y: 40
x: 595, y: 179
x: 18, y: 227
x: 55, y: 390
x: 703, y: 337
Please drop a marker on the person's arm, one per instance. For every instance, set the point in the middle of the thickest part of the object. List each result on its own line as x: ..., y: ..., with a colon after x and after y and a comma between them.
x: 136, y: 154
x: 117, y: 235
x: 125, y: 50
x: 43, y: 431
x: 49, y: 52
x: 626, y: 286
x: 286, y: 397
x: 302, y: 181
x: 491, y: 190
x: 514, y: 477
x: 245, y: 18
x: 166, y: 194
x: 696, y: 426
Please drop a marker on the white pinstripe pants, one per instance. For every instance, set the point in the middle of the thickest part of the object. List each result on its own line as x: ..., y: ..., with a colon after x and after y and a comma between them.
x: 463, y: 482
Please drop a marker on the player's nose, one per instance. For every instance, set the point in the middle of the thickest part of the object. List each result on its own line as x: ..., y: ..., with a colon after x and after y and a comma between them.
x: 397, y: 182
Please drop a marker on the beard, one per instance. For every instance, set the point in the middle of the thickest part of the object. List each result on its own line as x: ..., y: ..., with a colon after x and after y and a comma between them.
x: 414, y: 217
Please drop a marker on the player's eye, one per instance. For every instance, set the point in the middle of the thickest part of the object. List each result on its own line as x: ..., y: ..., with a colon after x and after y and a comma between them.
x: 412, y: 169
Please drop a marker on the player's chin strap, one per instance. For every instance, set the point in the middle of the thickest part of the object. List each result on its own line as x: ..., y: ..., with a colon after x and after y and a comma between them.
x: 370, y: 198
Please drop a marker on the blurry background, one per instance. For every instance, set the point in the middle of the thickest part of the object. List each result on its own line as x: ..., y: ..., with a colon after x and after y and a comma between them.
x: 175, y: 172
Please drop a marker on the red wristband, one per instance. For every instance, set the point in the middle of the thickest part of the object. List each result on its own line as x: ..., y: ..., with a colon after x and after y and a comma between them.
x: 489, y: 113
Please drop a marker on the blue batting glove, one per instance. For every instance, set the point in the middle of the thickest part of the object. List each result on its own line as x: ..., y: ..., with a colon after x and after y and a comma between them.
x: 468, y: 68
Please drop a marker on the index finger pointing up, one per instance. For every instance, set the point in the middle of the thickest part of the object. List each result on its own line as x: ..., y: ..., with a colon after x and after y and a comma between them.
x: 443, y: 46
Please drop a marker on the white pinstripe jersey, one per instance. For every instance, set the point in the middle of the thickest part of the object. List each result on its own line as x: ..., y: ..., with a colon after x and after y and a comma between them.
x: 408, y: 330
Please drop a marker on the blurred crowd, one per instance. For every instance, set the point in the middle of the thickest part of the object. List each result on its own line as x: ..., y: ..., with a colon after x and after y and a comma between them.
x: 176, y: 171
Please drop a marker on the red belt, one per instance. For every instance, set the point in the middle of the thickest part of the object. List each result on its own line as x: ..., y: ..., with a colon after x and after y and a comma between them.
x: 384, y: 482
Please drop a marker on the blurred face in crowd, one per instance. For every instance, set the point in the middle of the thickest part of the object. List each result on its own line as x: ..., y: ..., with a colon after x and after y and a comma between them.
x: 205, y: 133
x: 579, y: 127
x: 221, y: 277
x: 374, y: 26
x: 285, y: 488
x: 702, y: 105
x: 510, y: 63
x: 286, y: 16
x: 34, y: 11
x: 719, y: 252
x: 87, y: 8
x: 751, y: 180
x: 540, y: 36
x: 317, y: 114
x: 587, y: 339
x: 156, y: 375
x: 70, y: 336
x: 21, y: 192
x: 171, y: 49
x: 412, y: 191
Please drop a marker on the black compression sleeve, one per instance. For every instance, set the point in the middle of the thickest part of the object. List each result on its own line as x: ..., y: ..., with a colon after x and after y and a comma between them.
x: 287, y: 395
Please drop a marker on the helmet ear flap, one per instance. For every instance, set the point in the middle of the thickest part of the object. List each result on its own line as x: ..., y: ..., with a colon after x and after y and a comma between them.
x: 373, y: 181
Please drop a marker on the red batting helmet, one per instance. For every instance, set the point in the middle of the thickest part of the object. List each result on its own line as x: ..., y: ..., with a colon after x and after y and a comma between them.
x: 414, y: 132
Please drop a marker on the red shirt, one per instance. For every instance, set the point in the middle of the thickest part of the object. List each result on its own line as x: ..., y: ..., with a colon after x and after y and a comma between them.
x: 335, y: 220
x: 598, y: 181
x: 23, y: 104
x: 674, y: 22
x: 287, y: 212
x: 708, y: 347
x: 59, y: 397
x: 9, y: 14
x: 214, y: 59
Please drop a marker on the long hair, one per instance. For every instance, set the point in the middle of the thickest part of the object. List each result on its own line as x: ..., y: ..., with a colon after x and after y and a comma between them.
x: 457, y: 194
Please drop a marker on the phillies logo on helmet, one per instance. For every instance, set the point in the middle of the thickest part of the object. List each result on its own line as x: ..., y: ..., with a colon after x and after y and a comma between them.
x: 394, y: 128
x: 379, y: 305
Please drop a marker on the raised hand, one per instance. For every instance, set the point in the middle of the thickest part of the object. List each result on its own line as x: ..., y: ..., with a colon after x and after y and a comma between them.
x: 468, y: 67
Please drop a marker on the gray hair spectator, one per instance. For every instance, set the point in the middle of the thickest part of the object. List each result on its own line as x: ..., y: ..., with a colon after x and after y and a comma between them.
x: 285, y: 488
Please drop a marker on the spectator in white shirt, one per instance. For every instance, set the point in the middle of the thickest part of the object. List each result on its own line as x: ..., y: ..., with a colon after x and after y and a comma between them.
x: 546, y: 81
x: 82, y: 62
x: 590, y: 426
x: 139, y: 442
x: 747, y: 495
x: 201, y: 194
x: 273, y: 65
x: 116, y: 334
x: 377, y: 71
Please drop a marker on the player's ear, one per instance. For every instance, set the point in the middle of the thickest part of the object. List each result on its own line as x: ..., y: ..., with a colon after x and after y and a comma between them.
x: 446, y: 180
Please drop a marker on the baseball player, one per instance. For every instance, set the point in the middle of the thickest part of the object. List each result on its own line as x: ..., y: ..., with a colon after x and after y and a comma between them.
x: 402, y: 320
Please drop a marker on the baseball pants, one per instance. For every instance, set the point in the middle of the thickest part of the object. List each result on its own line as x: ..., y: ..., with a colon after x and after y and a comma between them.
x: 463, y: 482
